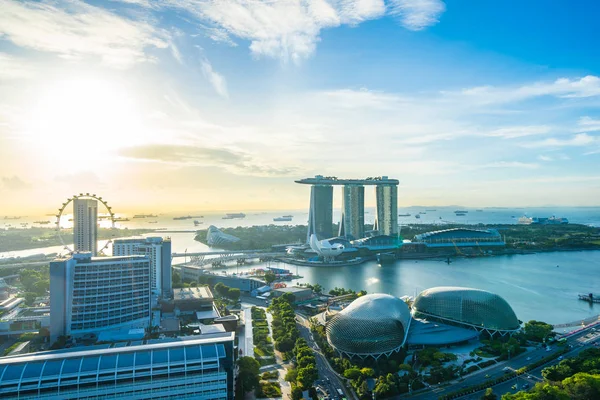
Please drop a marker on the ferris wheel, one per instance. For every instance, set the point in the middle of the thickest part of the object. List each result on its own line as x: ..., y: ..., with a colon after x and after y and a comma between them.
x: 61, y: 210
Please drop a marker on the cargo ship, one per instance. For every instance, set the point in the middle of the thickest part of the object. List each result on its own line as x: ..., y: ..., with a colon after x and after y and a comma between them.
x: 284, y: 218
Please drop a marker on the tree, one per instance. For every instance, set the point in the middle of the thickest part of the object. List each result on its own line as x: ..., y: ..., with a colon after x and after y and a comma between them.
x: 367, y: 372
x: 318, y: 289
x: 557, y: 373
x: 289, y: 297
x: 537, y: 331
x: 175, y: 278
x: 270, y: 278
x: 307, y: 375
x: 352, y: 373
x: 248, y: 373
x: 291, y: 375
x: 234, y: 294
x: 489, y: 395
x: 221, y: 289
x: 582, y: 386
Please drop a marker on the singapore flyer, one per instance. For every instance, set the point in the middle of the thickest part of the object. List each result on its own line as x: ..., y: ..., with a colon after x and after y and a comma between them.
x: 61, y: 211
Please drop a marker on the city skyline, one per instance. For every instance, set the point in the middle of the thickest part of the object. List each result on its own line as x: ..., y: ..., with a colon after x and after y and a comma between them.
x: 190, y: 106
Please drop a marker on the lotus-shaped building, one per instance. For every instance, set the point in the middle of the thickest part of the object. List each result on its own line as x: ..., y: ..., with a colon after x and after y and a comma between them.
x: 371, y: 326
x: 478, y: 309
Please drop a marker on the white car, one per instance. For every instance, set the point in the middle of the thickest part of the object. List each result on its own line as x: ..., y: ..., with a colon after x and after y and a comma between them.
x: 528, y: 358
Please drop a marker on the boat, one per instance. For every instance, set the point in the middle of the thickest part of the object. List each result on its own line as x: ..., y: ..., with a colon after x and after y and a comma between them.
x: 549, y: 221
x: 121, y: 219
x: 153, y: 222
x: 460, y: 212
x: 288, y: 216
x: 284, y: 218
x: 422, y: 212
x: 404, y: 215
x: 525, y: 220
x: 6, y: 217
x: 430, y: 210
x: 479, y: 210
x: 386, y: 258
x: 182, y: 218
x: 234, y: 215
x: 196, y: 222
x: 417, y: 216
x: 41, y: 222
x: 145, y: 216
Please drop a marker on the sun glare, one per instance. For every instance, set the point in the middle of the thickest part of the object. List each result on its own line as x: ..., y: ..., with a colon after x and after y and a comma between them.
x: 83, y: 113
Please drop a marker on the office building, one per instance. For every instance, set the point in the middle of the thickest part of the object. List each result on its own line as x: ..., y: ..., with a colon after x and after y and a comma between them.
x: 89, y: 294
x: 199, y: 367
x: 387, y: 209
x: 320, y: 214
x: 158, y: 251
x: 85, y: 225
x: 352, y: 225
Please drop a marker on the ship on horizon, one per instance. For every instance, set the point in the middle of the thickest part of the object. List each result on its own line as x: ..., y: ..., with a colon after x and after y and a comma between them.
x: 284, y: 218
x: 234, y: 216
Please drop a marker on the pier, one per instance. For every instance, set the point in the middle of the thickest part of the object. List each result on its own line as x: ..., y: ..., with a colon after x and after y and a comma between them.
x: 590, y: 298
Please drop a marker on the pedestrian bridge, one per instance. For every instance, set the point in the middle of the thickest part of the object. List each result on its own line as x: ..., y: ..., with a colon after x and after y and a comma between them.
x: 580, y: 322
x: 220, y: 258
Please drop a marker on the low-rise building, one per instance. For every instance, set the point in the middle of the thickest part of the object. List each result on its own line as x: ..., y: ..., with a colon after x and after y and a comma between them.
x: 200, y: 367
x: 300, y: 293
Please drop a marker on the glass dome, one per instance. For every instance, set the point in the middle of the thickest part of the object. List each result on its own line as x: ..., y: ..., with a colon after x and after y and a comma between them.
x: 371, y: 325
x: 473, y: 307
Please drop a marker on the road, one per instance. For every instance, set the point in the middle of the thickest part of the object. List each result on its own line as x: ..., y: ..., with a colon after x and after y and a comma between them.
x: 328, y: 379
x: 579, y: 342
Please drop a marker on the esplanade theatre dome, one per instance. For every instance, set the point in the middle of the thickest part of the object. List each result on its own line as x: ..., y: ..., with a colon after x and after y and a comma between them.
x: 476, y: 308
x: 371, y: 326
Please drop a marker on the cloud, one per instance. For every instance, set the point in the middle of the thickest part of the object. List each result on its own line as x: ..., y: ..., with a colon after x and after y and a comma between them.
x: 588, y: 86
x: 363, y: 98
x: 588, y: 124
x: 14, y: 68
x: 511, y: 164
x: 79, y: 180
x: 417, y: 15
x: 545, y: 158
x: 234, y: 161
x: 217, y: 80
x: 13, y: 183
x: 580, y: 139
x: 76, y: 30
x: 519, y: 131
x: 289, y: 30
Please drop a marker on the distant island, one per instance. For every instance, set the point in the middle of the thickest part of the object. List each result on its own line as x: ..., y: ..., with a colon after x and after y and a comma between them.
x: 34, y: 237
x: 518, y: 237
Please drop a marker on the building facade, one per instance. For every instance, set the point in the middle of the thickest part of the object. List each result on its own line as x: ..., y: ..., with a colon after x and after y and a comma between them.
x: 387, y: 209
x: 158, y: 251
x: 88, y: 294
x: 85, y: 225
x: 320, y: 214
x: 198, y: 367
x: 352, y: 224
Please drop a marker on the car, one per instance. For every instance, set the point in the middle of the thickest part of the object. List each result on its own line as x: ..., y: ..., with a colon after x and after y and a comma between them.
x: 487, y: 375
x: 560, y: 358
x: 514, y: 387
x: 528, y: 358
x: 548, y: 349
x: 506, y: 369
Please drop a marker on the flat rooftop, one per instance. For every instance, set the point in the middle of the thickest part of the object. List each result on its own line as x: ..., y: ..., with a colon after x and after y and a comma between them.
x: 334, y: 180
x: 293, y: 289
x: 193, y: 293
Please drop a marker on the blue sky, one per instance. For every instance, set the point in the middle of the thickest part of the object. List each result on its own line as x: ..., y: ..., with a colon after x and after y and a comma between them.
x: 222, y: 104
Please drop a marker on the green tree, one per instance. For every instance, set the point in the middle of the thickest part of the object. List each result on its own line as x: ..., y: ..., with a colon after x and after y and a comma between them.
x: 291, y: 375
x: 489, y: 395
x: 270, y: 277
x: 221, y: 289
x: 537, y: 330
x: 557, y: 373
x: 234, y: 294
x: 318, y: 289
x: 248, y: 373
x: 352, y: 373
x: 367, y: 372
x: 307, y: 375
x: 175, y: 278
x: 289, y: 297
x: 582, y: 386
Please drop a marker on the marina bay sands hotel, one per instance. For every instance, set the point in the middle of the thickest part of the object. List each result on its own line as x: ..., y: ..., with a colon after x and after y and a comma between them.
x: 352, y: 224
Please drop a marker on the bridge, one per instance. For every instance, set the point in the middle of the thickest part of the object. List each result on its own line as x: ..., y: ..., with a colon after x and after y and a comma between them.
x: 223, y: 257
x: 581, y: 322
x: 218, y: 253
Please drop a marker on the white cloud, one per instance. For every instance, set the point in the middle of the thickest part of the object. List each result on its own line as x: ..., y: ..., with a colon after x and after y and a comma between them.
x: 217, y: 80
x: 362, y: 98
x: 14, y: 68
x: 542, y: 157
x: 588, y: 124
x: 511, y: 164
x: 417, y: 15
x: 580, y: 139
x: 588, y: 86
x: 519, y: 131
x: 289, y: 30
x: 76, y: 29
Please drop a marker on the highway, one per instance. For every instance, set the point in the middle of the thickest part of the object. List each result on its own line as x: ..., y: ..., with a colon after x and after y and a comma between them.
x: 579, y: 342
x: 328, y: 379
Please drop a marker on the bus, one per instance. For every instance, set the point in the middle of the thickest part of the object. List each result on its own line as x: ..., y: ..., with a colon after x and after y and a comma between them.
x: 562, y: 341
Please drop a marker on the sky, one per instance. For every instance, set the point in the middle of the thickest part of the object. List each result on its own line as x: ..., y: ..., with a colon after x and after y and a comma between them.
x: 172, y: 105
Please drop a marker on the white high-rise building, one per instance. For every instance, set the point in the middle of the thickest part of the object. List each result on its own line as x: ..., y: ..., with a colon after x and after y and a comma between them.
x: 85, y: 225
x: 91, y: 294
x: 158, y: 251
